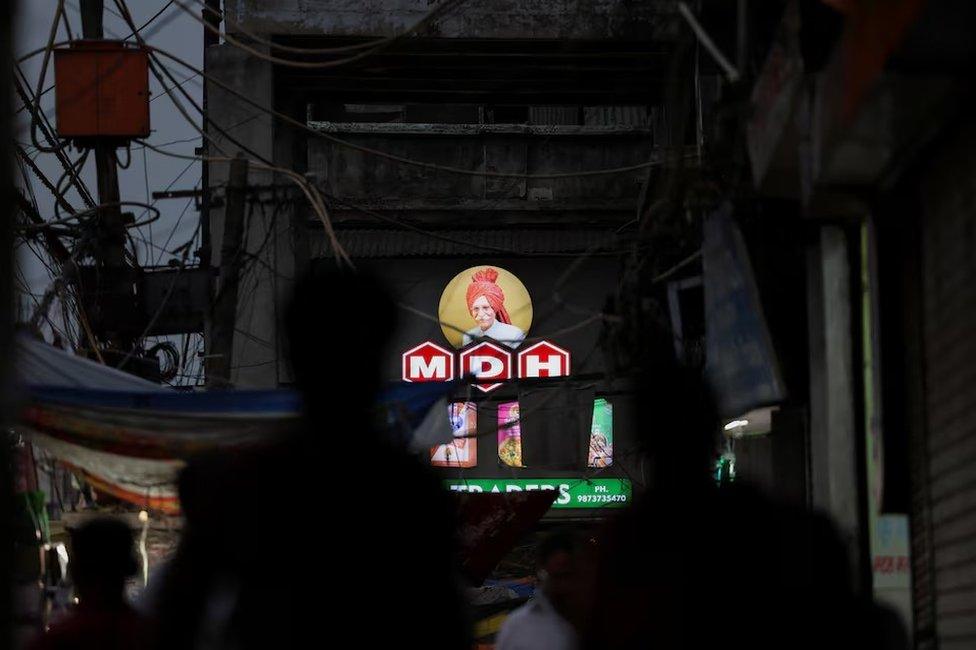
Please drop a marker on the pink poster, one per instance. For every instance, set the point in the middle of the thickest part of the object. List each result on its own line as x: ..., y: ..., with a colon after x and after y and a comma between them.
x: 509, y: 435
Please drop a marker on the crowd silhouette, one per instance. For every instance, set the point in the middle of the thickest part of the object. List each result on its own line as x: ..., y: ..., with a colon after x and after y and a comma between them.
x: 281, y: 549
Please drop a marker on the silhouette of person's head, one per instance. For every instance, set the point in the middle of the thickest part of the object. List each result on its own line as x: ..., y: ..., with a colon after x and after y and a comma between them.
x: 680, y: 418
x: 558, y: 564
x: 103, y: 559
x: 339, y: 324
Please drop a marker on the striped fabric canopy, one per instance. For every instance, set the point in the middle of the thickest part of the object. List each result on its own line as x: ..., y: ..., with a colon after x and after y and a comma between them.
x: 129, y: 437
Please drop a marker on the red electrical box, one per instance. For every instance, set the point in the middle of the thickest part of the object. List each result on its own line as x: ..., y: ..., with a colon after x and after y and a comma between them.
x: 102, y: 91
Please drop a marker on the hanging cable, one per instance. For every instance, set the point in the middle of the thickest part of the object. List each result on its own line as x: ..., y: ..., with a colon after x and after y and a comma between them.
x: 159, y: 70
x: 67, y: 26
x: 41, y: 50
x: 172, y: 356
x: 150, y: 20
x: 162, y: 303
x: 165, y: 92
x: 76, y: 168
x: 28, y: 184
x: 24, y: 93
x: 657, y: 161
x: 309, y: 190
x: 257, y: 38
x: 206, y: 136
x: 71, y: 38
x: 35, y: 106
x: 94, y: 210
x: 378, y: 45
x: 393, y: 157
x: 318, y: 205
x: 288, y: 119
x: 310, y: 193
x: 58, y: 197
x: 173, y: 230
x: 128, y: 159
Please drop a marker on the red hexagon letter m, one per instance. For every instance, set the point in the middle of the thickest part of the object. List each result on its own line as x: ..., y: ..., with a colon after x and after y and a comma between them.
x: 428, y: 362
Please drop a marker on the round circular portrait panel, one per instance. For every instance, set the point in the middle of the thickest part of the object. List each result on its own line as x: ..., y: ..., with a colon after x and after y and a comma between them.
x: 485, y: 301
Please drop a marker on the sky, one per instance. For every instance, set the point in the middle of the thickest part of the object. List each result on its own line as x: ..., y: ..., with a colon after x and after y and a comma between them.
x: 149, y: 171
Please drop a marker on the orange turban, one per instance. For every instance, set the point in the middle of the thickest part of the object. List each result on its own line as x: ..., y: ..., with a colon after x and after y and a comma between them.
x: 483, y: 284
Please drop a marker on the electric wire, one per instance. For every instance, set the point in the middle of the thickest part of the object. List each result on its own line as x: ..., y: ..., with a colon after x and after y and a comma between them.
x: 318, y: 65
x: 165, y: 300
x: 282, y: 117
x: 27, y: 98
x: 309, y: 190
x: 36, y: 102
x: 393, y: 157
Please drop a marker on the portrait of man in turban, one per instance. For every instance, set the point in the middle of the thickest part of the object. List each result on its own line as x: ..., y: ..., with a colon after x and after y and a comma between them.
x: 486, y: 304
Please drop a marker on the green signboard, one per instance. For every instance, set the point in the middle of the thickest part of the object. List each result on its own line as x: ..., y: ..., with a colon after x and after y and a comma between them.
x: 573, y: 492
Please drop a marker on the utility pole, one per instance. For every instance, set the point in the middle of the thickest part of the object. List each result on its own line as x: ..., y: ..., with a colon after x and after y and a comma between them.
x: 211, y: 14
x: 115, y: 291
x: 224, y: 310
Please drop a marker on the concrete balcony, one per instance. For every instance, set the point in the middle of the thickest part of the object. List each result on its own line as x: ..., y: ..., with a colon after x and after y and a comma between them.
x: 364, y: 180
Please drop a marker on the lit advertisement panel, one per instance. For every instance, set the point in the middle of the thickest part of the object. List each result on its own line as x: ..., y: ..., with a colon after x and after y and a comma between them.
x: 509, y: 435
x: 600, y: 445
x: 572, y: 493
x: 601, y: 435
x: 463, y: 450
x: 508, y: 331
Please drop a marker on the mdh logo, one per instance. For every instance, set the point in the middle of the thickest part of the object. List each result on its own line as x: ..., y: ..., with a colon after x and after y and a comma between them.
x: 491, y: 364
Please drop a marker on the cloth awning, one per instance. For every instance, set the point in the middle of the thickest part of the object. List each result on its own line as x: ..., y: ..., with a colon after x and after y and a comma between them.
x: 130, y: 437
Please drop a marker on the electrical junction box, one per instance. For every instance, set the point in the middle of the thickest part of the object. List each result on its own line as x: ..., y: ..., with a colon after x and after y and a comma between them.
x: 102, y: 91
